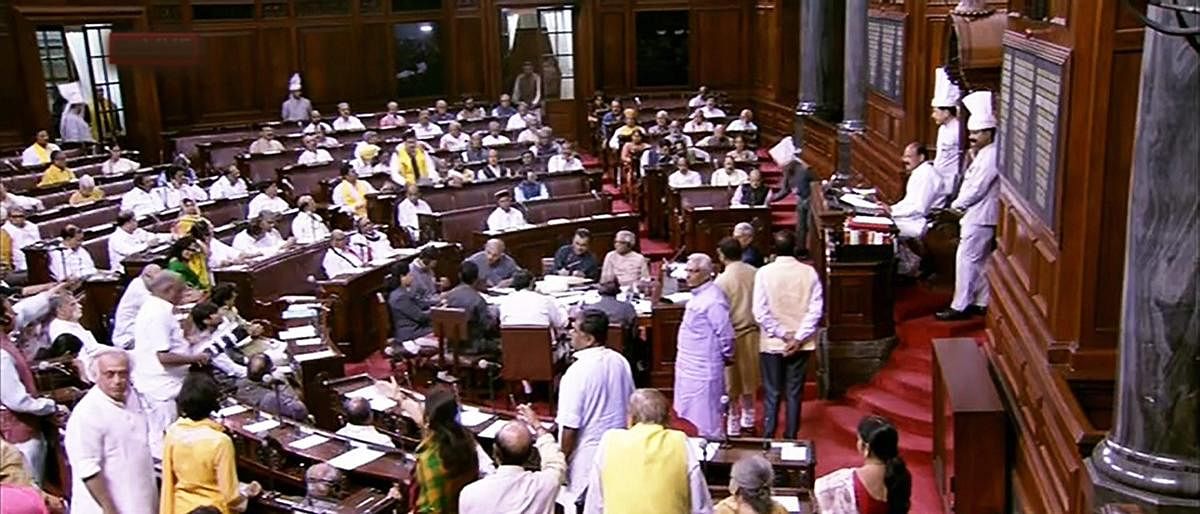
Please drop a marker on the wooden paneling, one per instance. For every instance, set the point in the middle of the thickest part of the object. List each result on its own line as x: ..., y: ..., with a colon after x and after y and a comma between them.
x: 719, y: 53
x: 787, y: 27
x: 610, y: 52
x: 276, y: 63
x: 468, y: 58
x: 376, y: 78
x: 323, y: 55
x: 764, y: 73
x: 222, y: 94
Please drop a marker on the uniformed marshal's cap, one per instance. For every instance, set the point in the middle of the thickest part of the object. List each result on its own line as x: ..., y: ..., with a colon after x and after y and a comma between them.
x: 294, y: 82
x: 979, y: 104
x: 945, y: 93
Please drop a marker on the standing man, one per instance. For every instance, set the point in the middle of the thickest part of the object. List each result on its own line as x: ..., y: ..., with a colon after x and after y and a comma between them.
x: 161, y: 356
x: 945, y: 114
x: 296, y: 108
x: 408, y: 209
x: 528, y: 87
x: 107, y: 445
x: 592, y: 397
x: 978, y: 201
x: 511, y: 488
x: 21, y: 417
x: 704, y: 348
x: 743, y: 233
x: 797, y: 177
x: 787, y: 307
x: 742, y: 378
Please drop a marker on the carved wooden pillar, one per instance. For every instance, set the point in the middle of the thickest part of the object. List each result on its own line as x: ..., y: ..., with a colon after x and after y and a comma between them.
x: 1151, y: 457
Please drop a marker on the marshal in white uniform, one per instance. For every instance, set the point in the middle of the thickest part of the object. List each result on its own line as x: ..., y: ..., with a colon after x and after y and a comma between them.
x: 979, y: 199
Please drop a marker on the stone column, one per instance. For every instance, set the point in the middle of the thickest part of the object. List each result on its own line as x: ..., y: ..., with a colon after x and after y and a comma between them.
x: 1151, y: 456
x: 854, y: 96
x: 812, y: 23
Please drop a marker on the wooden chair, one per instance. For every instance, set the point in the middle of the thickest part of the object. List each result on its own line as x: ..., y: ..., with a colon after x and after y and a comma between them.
x: 616, y: 338
x: 547, y: 266
x: 450, y: 329
x: 528, y: 355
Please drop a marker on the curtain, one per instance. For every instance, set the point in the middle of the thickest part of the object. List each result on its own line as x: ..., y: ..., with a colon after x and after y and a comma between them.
x: 513, y: 22
x: 558, y: 23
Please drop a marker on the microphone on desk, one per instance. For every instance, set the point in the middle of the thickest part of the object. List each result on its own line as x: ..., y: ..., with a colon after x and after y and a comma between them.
x: 725, y: 418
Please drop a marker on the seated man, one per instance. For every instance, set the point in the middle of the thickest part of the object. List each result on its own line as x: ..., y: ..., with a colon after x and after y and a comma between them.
x: 40, y: 151
x: 920, y: 193
x: 20, y: 232
x: 454, y: 140
x: 470, y: 111
x: 675, y: 134
x: 526, y: 306
x: 475, y: 152
x: 312, y: 154
x: 426, y: 128
x: 345, y: 120
x: 267, y: 200
x: 262, y: 237
x: 358, y: 424
x: 142, y: 200
x: 697, y: 124
x: 504, y: 109
x: 482, y: 323
x: 545, y: 146
x: 684, y: 176
x: 744, y: 122
x: 531, y: 188
x: 492, y: 169
x: 307, y: 226
x: 410, y: 310
x: 57, y: 173
x: 493, y: 265
x: 322, y: 485
x: 662, y: 123
x: 230, y: 185
x: 620, y: 313
x: 532, y: 125
x: 72, y: 261
x: 351, y: 193
x: 12, y: 200
x: 87, y: 192
x: 408, y: 209
x: 368, y: 160
x: 369, y: 243
x: 266, y: 142
x: 697, y: 101
x: 520, y: 119
x: 566, y: 160
x: 494, y: 137
x: 623, y: 264
x: 128, y: 239
x: 339, y: 258
x: 441, y: 112
x: 512, y: 488
x: 626, y: 130
x: 728, y: 174
x: 324, y: 140
x: 67, y: 313
x: 710, y: 109
x: 575, y: 260
x: 315, y: 123
x: 262, y: 391
x: 177, y: 189
x: 505, y: 216
x: 718, y: 138
x: 394, y: 118
x: 753, y: 192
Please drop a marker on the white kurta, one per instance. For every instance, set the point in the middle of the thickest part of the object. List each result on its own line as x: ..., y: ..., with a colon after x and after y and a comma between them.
x: 371, y: 249
x: 172, y: 196
x: 30, y: 156
x: 269, y: 244
x: 107, y: 437
x: 21, y: 237
x: 58, y: 327
x: 678, y: 179
x: 496, y: 140
x: 308, y: 228
x: 155, y: 330
x: 724, y: 177
x: 338, y: 262
x: 453, y: 143
x: 122, y: 165
x: 919, y: 194
x: 592, y: 398
x: 142, y: 202
x: 426, y: 131
x: 348, y: 123
x: 501, y: 220
x: 223, y: 188
x: 127, y: 310
x: 122, y: 244
x: 947, y: 159
x: 317, y: 156
x: 68, y: 264
x: 406, y: 216
x: 262, y: 202
x: 560, y: 163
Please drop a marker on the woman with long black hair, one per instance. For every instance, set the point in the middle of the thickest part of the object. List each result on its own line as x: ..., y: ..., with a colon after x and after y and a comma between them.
x: 881, y: 485
x: 447, y: 459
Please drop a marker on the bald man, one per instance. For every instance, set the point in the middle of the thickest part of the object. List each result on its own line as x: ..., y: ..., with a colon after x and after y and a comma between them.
x: 495, y: 267
x: 161, y: 355
x: 511, y: 488
x: 321, y: 484
x: 261, y: 390
x: 358, y: 424
x: 131, y: 302
x: 647, y: 467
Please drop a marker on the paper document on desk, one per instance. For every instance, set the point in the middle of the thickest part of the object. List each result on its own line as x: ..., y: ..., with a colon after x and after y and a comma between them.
x: 474, y: 418
x: 789, y: 503
x: 871, y: 220
x: 381, y: 404
x: 355, y: 458
x: 558, y: 221
x: 312, y: 341
x: 298, y: 298
x: 704, y: 448
x: 799, y: 453
x: 302, y: 332
x: 305, y: 357
x: 261, y: 426
x: 858, y: 202
x: 493, y: 429
x: 299, y: 313
x: 678, y: 298
x: 308, y: 442
x: 643, y: 306
x: 231, y: 410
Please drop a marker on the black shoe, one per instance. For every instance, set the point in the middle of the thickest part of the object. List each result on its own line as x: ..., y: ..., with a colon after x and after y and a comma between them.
x: 974, y: 310
x: 949, y: 314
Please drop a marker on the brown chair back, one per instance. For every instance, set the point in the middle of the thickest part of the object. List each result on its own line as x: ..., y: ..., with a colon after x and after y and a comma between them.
x: 527, y: 353
x: 547, y: 265
x: 383, y: 321
x: 616, y: 338
x: 449, y: 327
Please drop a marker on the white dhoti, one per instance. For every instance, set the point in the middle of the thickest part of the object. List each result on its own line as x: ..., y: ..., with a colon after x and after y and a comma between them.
x: 160, y: 414
x: 970, y: 283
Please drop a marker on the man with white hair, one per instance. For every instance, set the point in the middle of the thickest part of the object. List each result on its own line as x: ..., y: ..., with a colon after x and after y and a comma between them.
x: 425, y: 128
x: 108, y: 445
x: 86, y: 191
x: 704, y: 348
x: 532, y: 125
x: 346, y: 120
x: 454, y: 140
x: 744, y: 122
x: 339, y: 258
x: 67, y: 313
x: 494, y: 137
x: 312, y: 154
x: 622, y: 263
x: 744, y: 234
x: 496, y: 267
x: 131, y: 302
x: 393, y: 118
x: 23, y: 411
x: 161, y: 355
x: 520, y: 119
x: 662, y: 124
x: 505, y: 108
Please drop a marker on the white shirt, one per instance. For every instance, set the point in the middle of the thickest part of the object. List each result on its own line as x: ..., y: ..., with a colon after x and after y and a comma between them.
x: 68, y: 263
x: 698, y: 486
x: 496, y: 140
x: 948, y: 157
x: 222, y: 188
x: 741, y: 126
x: 155, y: 329
x: 122, y: 165
x: 511, y: 489
x: 307, y: 228
x: 13, y: 395
x: 725, y: 177
x: 426, y: 131
x: 560, y: 163
x: 122, y: 244
x: 30, y: 156
x: 21, y: 237
x: 980, y: 191
x: 696, y: 101
x: 592, y: 398
x: 529, y: 307
x: 318, y: 156
x: 348, y: 123
x: 678, y: 179
x: 127, y: 310
x: 172, y: 196
x: 919, y: 195
x: 337, y: 262
x: 220, y: 254
x: 371, y: 249
x: 711, y: 112
x: 142, y: 202
x: 692, y: 126
x: 528, y: 135
x: 366, y: 434
x: 500, y: 220
x: 58, y: 327
x: 268, y: 244
x: 14, y: 200
x: 262, y: 202
x: 311, y: 128
x: 104, y: 436
x: 453, y: 143
x: 406, y: 214
x: 516, y: 122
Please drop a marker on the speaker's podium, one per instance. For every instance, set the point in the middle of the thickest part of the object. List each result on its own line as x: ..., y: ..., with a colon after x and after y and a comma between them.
x: 855, y: 263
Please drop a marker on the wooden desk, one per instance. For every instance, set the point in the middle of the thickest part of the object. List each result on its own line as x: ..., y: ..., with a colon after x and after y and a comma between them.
x: 529, y: 245
x: 362, y: 501
x: 704, y: 228
x: 461, y: 224
x: 969, y: 429
x: 665, y: 319
x: 286, y: 273
x: 800, y: 474
x: 352, y: 323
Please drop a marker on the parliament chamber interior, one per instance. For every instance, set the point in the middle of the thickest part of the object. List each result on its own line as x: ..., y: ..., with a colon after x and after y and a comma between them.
x: 584, y: 256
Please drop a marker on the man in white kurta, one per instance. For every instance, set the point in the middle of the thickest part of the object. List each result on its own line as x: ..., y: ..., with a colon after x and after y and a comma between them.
x: 131, y: 302
x: 978, y: 200
x: 408, y: 209
x: 505, y: 216
x: 108, y: 446
x: 128, y: 239
x: 919, y: 193
x: 23, y: 233
x: 267, y: 200
x: 142, y: 200
x: 39, y: 152
x: 592, y: 398
x: 161, y: 356
x: 704, y: 347
x: 339, y: 258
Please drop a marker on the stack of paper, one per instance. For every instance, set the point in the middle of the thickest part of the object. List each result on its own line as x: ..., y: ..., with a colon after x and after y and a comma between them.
x: 302, y: 332
x: 355, y: 458
x: 799, y: 453
x: 308, y: 442
x: 474, y: 418
x: 305, y: 357
x: 261, y: 426
x: 789, y: 503
x: 231, y: 410
x: 312, y: 341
